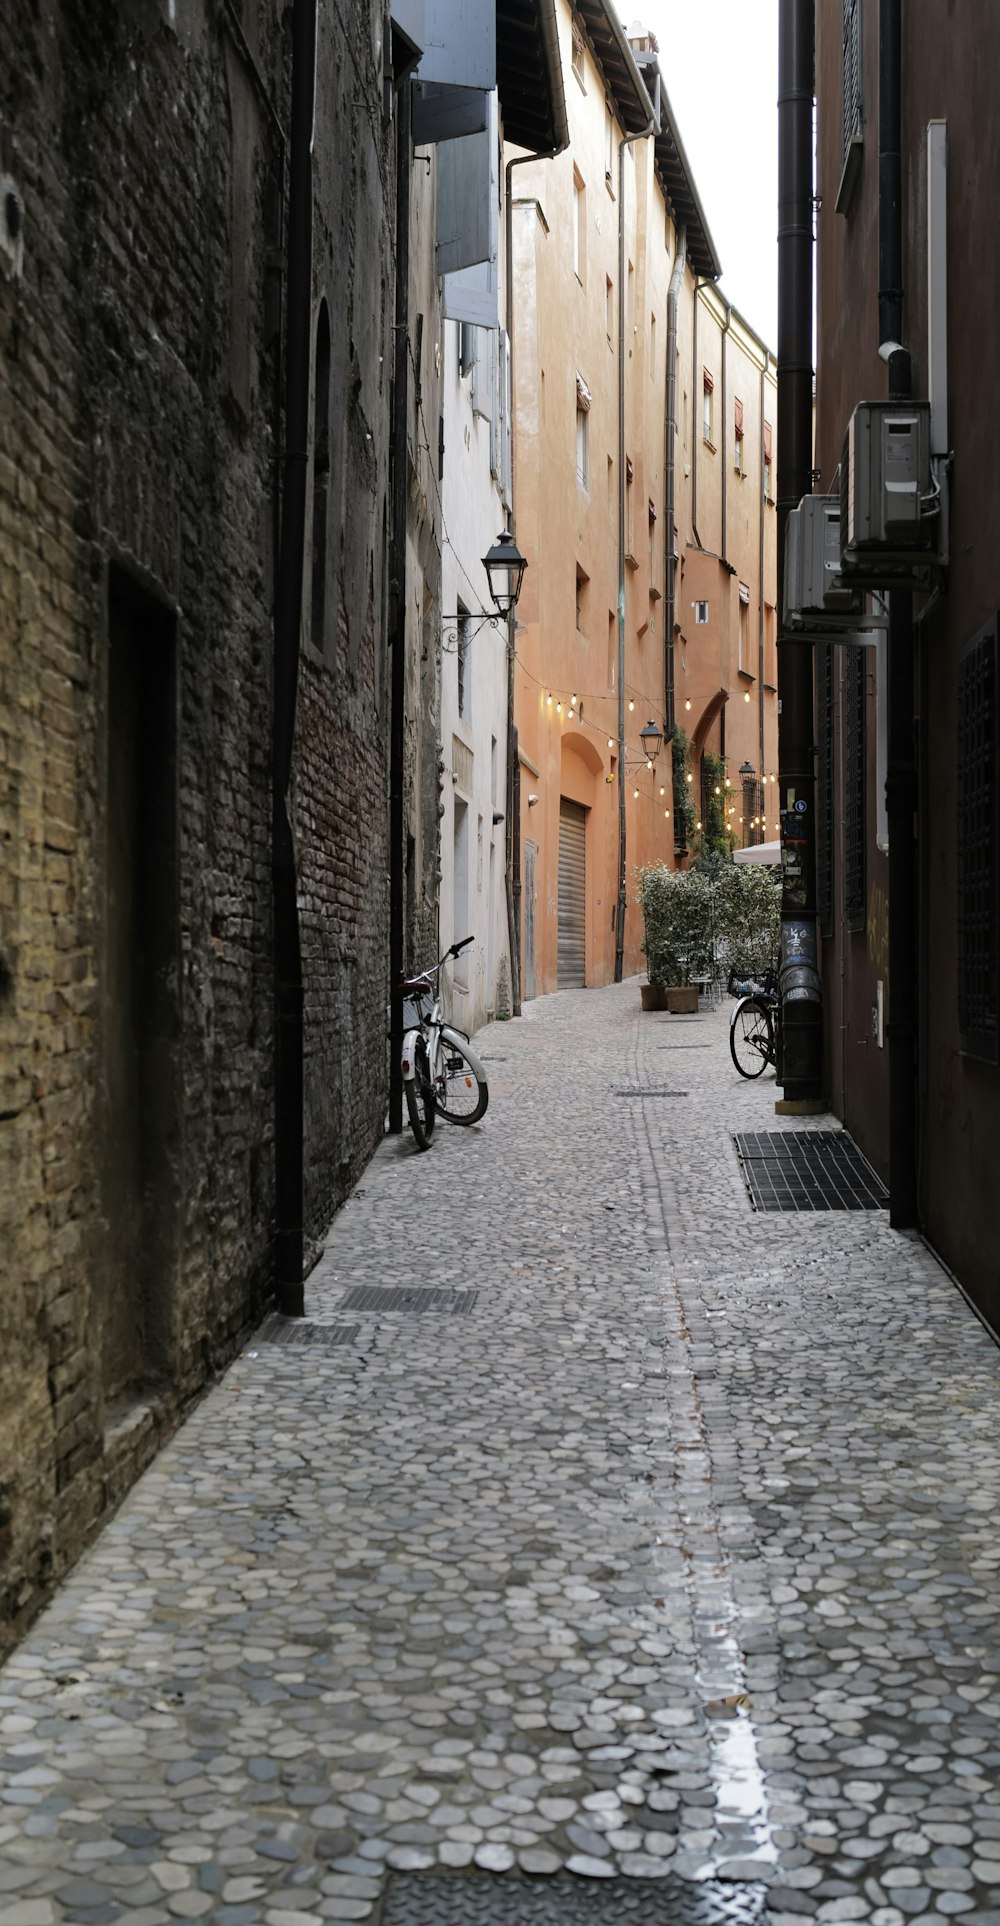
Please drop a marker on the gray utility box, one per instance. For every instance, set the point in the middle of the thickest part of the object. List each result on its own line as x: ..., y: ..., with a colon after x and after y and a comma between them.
x: 886, y: 489
x: 814, y: 586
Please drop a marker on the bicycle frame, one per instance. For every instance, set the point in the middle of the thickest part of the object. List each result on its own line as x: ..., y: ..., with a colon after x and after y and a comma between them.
x: 431, y: 1025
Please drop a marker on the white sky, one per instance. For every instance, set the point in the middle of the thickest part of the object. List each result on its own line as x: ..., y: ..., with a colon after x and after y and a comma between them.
x: 719, y: 61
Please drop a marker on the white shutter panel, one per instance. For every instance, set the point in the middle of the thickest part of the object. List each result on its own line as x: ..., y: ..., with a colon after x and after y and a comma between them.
x: 460, y: 43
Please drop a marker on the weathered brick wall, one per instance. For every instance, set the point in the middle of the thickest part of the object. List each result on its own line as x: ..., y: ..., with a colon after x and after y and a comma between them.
x: 136, y: 437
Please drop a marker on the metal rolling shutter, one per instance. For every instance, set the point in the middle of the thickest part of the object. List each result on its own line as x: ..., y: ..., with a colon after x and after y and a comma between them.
x: 572, y: 895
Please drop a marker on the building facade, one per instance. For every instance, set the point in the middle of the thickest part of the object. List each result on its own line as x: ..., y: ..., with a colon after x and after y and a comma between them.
x: 950, y: 1076
x: 649, y: 596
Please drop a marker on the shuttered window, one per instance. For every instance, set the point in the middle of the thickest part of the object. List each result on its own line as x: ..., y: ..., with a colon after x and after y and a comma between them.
x: 979, y: 846
x: 852, y: 72
x: 824, y: 737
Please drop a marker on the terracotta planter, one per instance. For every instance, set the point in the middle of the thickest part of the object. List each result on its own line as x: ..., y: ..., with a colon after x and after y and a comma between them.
x: 682, y: 998
x: 654, y: 996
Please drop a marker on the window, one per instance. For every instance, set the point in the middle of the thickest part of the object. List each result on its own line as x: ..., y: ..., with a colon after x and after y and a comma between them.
x: 652, y: 347
x: 855, y: 812
x: 581, y: 597
x: 770, y: 646
x: 582, y: 432
x: 707, y: 389
x: 745, y: 664
x: 577, y: 57
x: 852, y: 102
x: 468, y: 346
x: 579, y: 227
x: 701, y: 613
x: 629, y: 510
x: 463, y: 660
x: 612, y: 648
x: 768, y: 487
x: 609, y: 308
x: 493, y: 771
x: 609, y: 148
x: 738, y: 435
x: 979, y: 846
x: 651, y: 513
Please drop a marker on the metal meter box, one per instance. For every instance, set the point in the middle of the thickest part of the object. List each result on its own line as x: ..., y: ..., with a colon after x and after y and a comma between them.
x: 813, y: 582
x: 885, y: 478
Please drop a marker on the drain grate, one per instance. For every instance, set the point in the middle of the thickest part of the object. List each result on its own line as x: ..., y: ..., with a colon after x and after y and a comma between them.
x: 295, y: 1332
x: 402, y: 1297
x: 644, y: 1090
x: 802, y: 1170
x: 456, y: 1900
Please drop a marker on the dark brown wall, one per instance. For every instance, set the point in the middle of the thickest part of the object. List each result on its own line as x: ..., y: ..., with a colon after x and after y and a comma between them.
x: 951, y: 56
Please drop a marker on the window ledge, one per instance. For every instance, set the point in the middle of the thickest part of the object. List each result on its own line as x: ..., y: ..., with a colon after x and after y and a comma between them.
x: 850, y: 176
x: 709, y: 443
x: 654, y: 593
x: 630, y: 561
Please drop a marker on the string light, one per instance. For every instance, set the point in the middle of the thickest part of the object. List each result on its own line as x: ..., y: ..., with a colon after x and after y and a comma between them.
x: 550, y: 702
x: 635, y: 793
x: 572, y: 702
x: 746, y: 698
x: 687, y: 703
x: 663, y: 792
x: 666, y: 812
x: 611, y: 742
x: 631, y: 706
x: 697, y: 825
x: 689, y: 777
x: 558, y: 708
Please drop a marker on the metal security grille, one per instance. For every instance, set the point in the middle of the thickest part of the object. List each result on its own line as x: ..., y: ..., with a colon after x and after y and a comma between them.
x: 852, y: 71
x: 854, y: 788
x: 456, y: 1899
x: 803, y: 1170
x: 401, y: 1297
x: 644, y: 1090
x: 824, y: 827
x: 572, y: 955
x: 979, y: 846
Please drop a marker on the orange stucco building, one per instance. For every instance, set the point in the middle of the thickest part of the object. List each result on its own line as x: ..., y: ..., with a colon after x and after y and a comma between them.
x: 640, y: 505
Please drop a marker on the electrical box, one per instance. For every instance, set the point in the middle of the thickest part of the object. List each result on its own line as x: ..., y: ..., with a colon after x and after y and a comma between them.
x: 814, y: 586
x: 887, y: 496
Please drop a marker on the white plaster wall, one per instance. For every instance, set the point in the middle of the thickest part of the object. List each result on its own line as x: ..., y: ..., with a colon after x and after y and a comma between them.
x: 474, y: 514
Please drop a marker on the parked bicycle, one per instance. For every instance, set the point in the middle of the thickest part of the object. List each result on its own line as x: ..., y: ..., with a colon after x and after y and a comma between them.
x: 442, y: 1075
x: 755, y: 1025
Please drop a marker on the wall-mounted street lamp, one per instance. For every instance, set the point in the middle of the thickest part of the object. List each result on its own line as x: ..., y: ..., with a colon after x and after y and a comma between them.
x: 505, y: 566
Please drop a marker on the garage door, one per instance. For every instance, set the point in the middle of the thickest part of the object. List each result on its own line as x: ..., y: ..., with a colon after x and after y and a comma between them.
x: 572, y: 895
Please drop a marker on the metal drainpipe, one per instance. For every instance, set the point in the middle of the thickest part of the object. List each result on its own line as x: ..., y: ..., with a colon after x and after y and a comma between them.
x: 627, y: 140
x: 725, y: 430
x: 669, y: 486
x: 760, y: 562
x: 512, y: 838
x: 801, y: 1070
x: 695, y: 419
x: 288, y: 989
x: 397, y: 611
x: 901, y: 787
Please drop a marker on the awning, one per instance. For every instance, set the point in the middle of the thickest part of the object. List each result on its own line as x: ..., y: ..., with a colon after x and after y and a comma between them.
x: 758, y: 853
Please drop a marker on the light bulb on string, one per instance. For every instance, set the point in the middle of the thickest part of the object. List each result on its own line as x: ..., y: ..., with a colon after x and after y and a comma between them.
x: 631, y: 707
x: 635, y: 793
x: 663, y: 792
x: 611, y: 742
x: 572, y: 702
x: 687, y: 702
x: 550, y: 702
x: 746, y: 698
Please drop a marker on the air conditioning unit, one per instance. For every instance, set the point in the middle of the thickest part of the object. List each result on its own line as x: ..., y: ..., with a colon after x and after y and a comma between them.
x: 815, y: 593
x: 889, y: 519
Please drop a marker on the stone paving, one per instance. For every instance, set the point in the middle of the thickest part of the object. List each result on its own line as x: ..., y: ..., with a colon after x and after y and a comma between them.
x: 671, y: 1555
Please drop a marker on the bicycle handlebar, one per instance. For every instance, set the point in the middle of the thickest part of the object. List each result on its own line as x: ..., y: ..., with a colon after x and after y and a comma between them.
x: 463, y: 945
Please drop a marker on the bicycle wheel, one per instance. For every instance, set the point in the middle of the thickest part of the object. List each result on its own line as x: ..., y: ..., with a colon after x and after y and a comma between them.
x: 461, y: 1093
x: 420, y: 1097
x: 751, y: 1037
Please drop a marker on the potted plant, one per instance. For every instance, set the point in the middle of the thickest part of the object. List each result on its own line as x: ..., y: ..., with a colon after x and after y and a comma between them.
x: 677, y: 918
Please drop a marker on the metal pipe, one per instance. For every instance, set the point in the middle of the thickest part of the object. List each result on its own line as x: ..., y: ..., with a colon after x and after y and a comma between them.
x: 760, y: 564
x: 512, y: 836
x: 626, y: 141
x: 695, y: 424
x: 288, y: 989
x: 669, y: 470
x: 901, y: 788
x: 397, y: 607
x: 801, y: 1071
x: 724, y: 432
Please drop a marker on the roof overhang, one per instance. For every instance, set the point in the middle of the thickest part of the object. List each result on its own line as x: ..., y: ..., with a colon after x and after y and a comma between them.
x: 529, y: 76
x: 677, y: 182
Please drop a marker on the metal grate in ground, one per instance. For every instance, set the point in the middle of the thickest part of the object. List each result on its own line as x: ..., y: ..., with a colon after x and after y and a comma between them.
x: 402, y: 1297
x: 432, y: 1899
x: 644, y: 1090
x: 808, y: 1170
x: 295, y: 1331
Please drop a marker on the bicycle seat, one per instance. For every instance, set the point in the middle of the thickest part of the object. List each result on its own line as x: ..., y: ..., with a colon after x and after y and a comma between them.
x: 414, y: 986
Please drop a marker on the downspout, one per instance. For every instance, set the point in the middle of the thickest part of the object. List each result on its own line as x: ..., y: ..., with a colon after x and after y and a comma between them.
x: 288, y: 991
x: 801, y: 1070
x: 669, y: 471
x: 397, y: 604
x: 627, y: 140
x: 760, y: 561
x: 724, y: 432
x: 513, y: 825
x: 695, y: 417
x: 901, y: 774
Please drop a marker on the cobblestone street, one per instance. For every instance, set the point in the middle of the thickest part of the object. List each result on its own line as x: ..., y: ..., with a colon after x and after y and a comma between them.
x: 659, y: 1550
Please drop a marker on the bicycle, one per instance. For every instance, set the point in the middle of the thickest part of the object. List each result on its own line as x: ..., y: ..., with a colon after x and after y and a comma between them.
x: 442, y: 1075
x: 755, y: 1025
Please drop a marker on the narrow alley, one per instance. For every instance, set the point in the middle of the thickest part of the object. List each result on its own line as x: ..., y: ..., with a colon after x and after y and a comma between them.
x: 641, y: 1566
